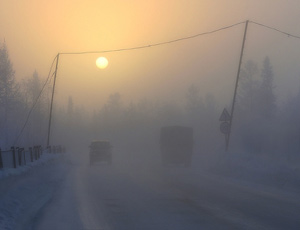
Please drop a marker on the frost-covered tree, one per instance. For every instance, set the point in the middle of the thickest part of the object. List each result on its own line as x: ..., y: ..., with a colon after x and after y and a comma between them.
x: 256, y: 106
x: 8, y: 95
x: 267, y: 99
x: 113, y: 108
x: 36, y: 101
x: 110, y: 115
x: 248, y: 87
x: 7, y: 77
x: 194, y: 102
x: 32, y: 88
x: 194, y: 105
x: 210, y: 104
x: 70, y: 109
x: 290, y: 125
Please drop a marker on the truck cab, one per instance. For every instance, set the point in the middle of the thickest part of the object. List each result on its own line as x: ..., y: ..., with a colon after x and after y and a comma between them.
x: 100, y: 151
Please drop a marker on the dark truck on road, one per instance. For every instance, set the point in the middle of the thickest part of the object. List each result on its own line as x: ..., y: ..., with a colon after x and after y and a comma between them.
x: 176, y: 145
x: 100, y: 151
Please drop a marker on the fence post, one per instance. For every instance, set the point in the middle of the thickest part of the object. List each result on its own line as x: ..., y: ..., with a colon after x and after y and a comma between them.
x: 14, y: 157
x: 24, y: 155
x: 1, y: 162
x: 35, y: 153
x: 38, y: 150
x: 31, y: 157
x: 41, y: 149
x: 19, y: 155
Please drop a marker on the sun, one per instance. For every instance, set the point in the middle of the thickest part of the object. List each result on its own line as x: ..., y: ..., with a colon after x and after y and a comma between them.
x: 101, y: 62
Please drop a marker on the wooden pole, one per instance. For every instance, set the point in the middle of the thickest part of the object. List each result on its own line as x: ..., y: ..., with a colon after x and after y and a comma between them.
x: 31, y: 156
x: 1, y: 161
x: 14, y: 157
x: 236, y: 84
x: 51, y: 106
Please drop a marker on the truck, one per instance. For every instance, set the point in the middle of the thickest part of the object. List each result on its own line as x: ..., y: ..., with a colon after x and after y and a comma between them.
x: 176, y: 145
x: 100, y: 151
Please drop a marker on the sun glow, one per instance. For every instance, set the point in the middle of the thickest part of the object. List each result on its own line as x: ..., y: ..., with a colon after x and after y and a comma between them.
x: 101, y: 62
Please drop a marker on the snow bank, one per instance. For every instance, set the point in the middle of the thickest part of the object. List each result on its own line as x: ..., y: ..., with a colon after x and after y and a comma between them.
x: 45, y: 157
x: 24, y: 191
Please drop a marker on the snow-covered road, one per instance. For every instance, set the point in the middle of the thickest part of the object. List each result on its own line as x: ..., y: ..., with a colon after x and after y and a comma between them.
x: 179, y: 199
x: 68, y: 195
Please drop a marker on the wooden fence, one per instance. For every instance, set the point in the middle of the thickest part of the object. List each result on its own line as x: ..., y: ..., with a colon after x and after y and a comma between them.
x: 16, y: 157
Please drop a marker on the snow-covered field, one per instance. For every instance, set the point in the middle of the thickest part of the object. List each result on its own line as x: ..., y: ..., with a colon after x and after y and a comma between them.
x: 62, y: 193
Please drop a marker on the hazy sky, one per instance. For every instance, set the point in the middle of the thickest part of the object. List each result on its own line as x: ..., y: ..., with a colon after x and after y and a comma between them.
x: 36, y: 30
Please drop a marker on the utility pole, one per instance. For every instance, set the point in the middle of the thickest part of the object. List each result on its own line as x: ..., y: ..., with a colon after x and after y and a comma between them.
x: 236, y: 84
x: 51, y: 106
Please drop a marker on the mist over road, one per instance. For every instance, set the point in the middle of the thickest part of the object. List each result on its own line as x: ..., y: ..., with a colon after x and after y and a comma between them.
x: 144, y: 197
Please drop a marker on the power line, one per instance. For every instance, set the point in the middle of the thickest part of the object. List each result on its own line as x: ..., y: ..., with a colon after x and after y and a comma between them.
x: 275, y: 29
x: 183, y: 38
x: 158, y: 44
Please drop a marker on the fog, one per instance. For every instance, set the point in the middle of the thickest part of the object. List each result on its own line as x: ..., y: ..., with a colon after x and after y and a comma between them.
x: 172, y: 70
x: 174, y: 85
x: 188, y: 82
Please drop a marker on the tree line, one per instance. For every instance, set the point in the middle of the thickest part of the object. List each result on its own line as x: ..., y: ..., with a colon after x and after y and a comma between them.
x: 16, y: 100
x: 264, y: 125
x: 260, y: 123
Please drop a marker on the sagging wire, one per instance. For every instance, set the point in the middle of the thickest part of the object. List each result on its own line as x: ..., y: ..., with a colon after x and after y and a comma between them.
x: 275, y: 29
x: 158, y: 44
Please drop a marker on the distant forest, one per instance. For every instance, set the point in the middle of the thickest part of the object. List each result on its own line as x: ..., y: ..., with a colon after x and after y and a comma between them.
x: 260, y: 124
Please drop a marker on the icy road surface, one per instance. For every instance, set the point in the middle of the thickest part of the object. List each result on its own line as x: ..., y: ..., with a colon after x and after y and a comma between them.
x: 74, y: 196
